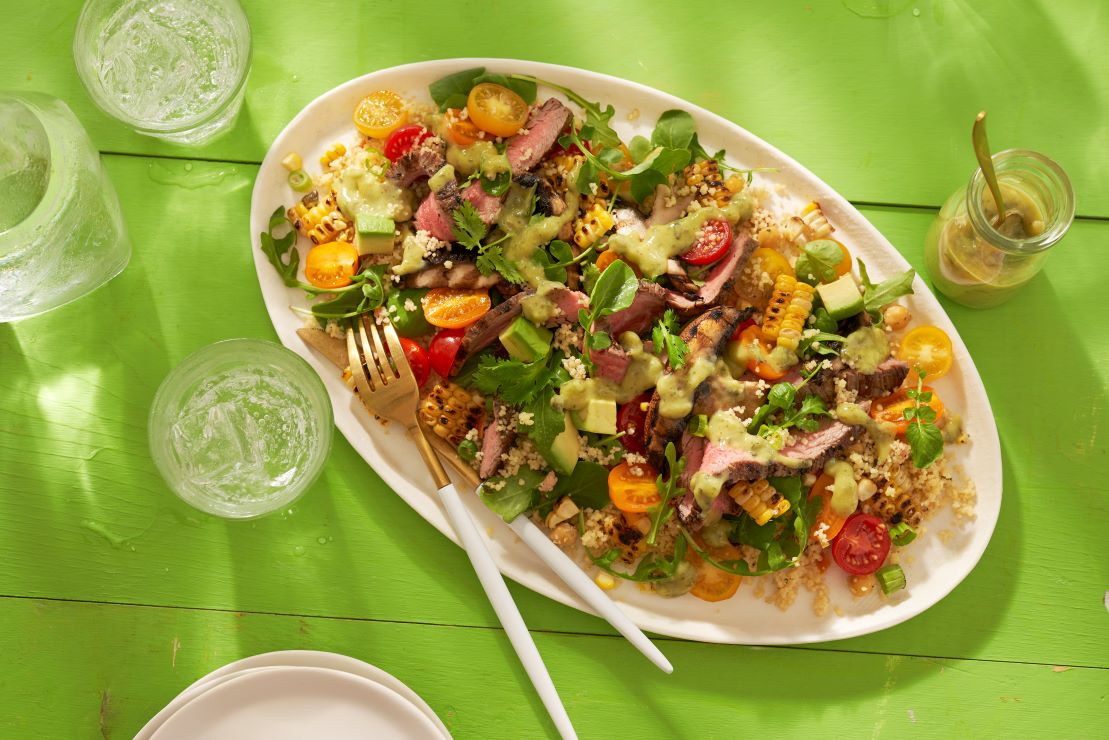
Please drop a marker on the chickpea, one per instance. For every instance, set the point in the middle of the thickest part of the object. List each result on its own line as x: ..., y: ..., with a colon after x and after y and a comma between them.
x: 897, y: 316
x: 867, y: 488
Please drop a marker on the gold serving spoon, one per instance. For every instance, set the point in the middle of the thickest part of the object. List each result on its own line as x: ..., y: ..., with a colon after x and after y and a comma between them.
x: 1007, y: 224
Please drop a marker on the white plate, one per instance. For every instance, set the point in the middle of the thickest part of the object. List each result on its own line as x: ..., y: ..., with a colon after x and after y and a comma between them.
x: 291, y: 703
x: 934, y: 567
x: 286, y: 658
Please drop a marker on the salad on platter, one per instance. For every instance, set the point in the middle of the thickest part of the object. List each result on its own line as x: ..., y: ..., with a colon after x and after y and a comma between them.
x: 644, y: 349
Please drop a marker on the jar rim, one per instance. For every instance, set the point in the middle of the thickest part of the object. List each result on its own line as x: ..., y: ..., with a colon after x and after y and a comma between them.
x: 1058, y: 221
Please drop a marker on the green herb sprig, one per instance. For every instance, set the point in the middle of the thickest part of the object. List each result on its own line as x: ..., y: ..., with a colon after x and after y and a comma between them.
x: 876, y: 295
x: 924, y: 437
x: 667, y: 489
x: 666, y: 335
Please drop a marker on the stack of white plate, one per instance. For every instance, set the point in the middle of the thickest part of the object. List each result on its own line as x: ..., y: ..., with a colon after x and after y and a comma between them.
x: 296, y: 694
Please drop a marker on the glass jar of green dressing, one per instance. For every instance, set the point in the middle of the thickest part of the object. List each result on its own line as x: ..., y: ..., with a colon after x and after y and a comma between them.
x: 979, y: 264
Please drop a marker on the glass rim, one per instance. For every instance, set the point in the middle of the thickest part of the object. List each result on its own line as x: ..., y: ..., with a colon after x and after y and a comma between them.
x: 82, y: 47
x: 1057, y: 225
x: 176, y: 387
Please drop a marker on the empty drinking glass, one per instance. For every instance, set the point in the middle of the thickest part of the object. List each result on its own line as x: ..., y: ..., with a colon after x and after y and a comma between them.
x: 61, y: 232
x: 173, y: 69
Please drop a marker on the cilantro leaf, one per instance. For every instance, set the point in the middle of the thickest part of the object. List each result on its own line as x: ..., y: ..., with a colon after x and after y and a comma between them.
x: 513, y: 497
x: 451, y: 91
x: 277, y: 248
x: 666, y: 336
x: 517, y: 383
x: 468, y: 228
x: 492, y: 260
x: 875, y: 296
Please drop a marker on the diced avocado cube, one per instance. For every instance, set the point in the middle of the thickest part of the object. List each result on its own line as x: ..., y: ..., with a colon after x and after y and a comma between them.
x: 373, y: 234
x: 565, y: 449
x: 841, y: 297
x: 525, y: 341
x: 599, y: 416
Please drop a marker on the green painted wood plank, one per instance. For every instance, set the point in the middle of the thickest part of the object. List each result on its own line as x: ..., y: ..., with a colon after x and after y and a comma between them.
x: 85, y: 670
x: 84, y: 515
x: 880, y: 108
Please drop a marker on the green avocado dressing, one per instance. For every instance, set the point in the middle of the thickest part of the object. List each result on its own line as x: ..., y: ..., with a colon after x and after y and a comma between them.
x: 527, y: 234
x: 643, y: 372
x: 481, y: 156
x: 651, y: 251
x: 845, y: 491
x: 865, y: 349
x: 881, y: 432
x: 359, y: 191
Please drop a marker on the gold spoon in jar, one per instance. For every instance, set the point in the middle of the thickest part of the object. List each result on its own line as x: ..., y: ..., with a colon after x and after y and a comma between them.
x: 1012, y: 219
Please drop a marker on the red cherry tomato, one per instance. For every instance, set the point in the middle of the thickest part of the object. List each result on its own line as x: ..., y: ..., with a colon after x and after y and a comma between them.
x: 712, y: 243
x: 443, y: 349
x: 739, y: 329
x: 631, y: 419
x: 403, y: 139
x: 862, y: 545
x: 417, y: 359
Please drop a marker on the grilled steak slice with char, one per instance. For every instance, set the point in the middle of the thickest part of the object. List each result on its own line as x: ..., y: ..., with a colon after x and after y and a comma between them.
x: 720, y: 277
x: 544, y: 124
x: 646, y: 307
x: 422, y: 160
x: 458, y: 275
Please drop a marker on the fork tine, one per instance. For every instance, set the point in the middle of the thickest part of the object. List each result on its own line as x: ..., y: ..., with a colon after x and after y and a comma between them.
x: 357, y: 370
x: 396, y: 351
x: 372, y: 360
x: 382, y: 356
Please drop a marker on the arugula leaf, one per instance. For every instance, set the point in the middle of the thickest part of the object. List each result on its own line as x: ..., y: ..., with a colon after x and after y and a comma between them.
x: 517, y: 383
x: 885, y: 292
x: 643, y: 186
x: 666, y: 336
x: 667, y: 490
x: 524, y: 88
x: 817, y: 261
x: 824, y: 321
x: 587, y: 486
x: 674, y: 130
x: 468, y: 228
x: 818, y: 344
x: 514, y: 498
x: 451, y: 91
x: 277, y: 249
x: 366, y: 293
x: 600, y: 340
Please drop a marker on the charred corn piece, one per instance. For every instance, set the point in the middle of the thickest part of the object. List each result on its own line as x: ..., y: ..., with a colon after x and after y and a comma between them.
x: 779, y: 303
x: 897, y: 508
x: 310, y: 211
x: 333, y: 152
x: 707, y: 183
x: 451, y: 411
x: 793, y: 320
x: 329, y: 228
x: 760, y: 500
x: 810, y: 225
x: 593, y: 224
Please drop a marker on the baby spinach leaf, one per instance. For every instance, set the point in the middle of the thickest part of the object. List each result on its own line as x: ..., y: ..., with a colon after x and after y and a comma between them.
x: 451, y: 91
x: 518, y: 494
x: 818, y: 260
x: 587, y: 486
x: 674, y: 130
x: 524, y: 88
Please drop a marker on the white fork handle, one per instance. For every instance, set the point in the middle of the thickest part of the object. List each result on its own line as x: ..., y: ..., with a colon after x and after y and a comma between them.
x: 505, y: 607
x: 585, y: 587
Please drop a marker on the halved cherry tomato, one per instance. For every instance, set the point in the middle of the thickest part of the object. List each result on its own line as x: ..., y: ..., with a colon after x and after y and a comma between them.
x: 331, y: 265
x: 462, y: 131
x: 759, y: 348
x: 631, y: 419
x: 632, y: 487
x: 380, y: 113
x: 443, y: 349
x: 928, y: 348
x: 401, y: 141
x: 712, y: 242
x: 862, y: 545
x: 823, y: 489
x: 891, y: 409
x: 713, y: 584
x: 455, y: 308
x: 496, y: 109
x: 844, y: 265
x: 772, y: 262
x: 417, y: 359
x: 740, y: 329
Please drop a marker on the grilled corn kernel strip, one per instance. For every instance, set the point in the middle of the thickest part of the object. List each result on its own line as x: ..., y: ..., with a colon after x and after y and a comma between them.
x: 329, y: 228
x: 451, y: 411
x: 809, y: 226
x: 760, y: 500
x: 899, y: 507
x: 793, y: 321
x: 593, y: 224
x: 779, y: 302
x: 310, y: 211
x: 707, y: 184
x: 333, y: 152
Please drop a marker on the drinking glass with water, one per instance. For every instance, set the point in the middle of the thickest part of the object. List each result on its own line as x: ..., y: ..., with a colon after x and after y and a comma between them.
x: 172, y: 69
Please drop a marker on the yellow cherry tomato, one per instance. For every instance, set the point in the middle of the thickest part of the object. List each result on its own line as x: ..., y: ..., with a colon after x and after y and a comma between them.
x: 380, y: 113
x: 713, y: 584
x: 632, y: 487
x: 331, y: 265
x: 928, y: 348
x: 455, y: 308
x: 844, y: 265
x: 496, y: 109
x: 772, y: 262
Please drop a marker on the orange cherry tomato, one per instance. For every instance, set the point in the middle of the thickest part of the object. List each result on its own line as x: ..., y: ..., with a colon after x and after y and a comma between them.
x: 759, y: 348
x: 713, y: 584
x: 844, y: 265
x: 772, y: 262
x: 632, y: 487
x: 928, y: 348
x: 331, y: 265
x: 455, y: 308
x: 380, y: 113
x: 891, y: 409
x: 823, y: 489
x: 462, y: 131
x: 496, y: 109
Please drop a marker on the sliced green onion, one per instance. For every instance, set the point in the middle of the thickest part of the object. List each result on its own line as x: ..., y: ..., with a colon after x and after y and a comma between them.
x: 700, y: 425
x: 902, y: 534
x: 300, y: 181
x: 891, y: 578
x: 467, y: 449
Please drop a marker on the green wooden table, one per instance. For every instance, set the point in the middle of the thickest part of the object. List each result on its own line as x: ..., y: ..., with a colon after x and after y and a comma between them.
x: 114, y: 596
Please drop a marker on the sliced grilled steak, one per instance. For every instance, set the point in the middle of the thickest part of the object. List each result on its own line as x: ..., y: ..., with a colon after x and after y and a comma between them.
x: 486, y: 205
x: 725, y: 393
x: 434, y: 214
x: 721, y: 276
x: 543, y: 127
x: 498, y: 436
x: 646, y: 307
x: 706, y: 336
x: 422, y: 160
x: 661, y: 213
x: 611, y: 362
x: 459, y: 275
x: 884, y: 381
x: 547, y: 201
